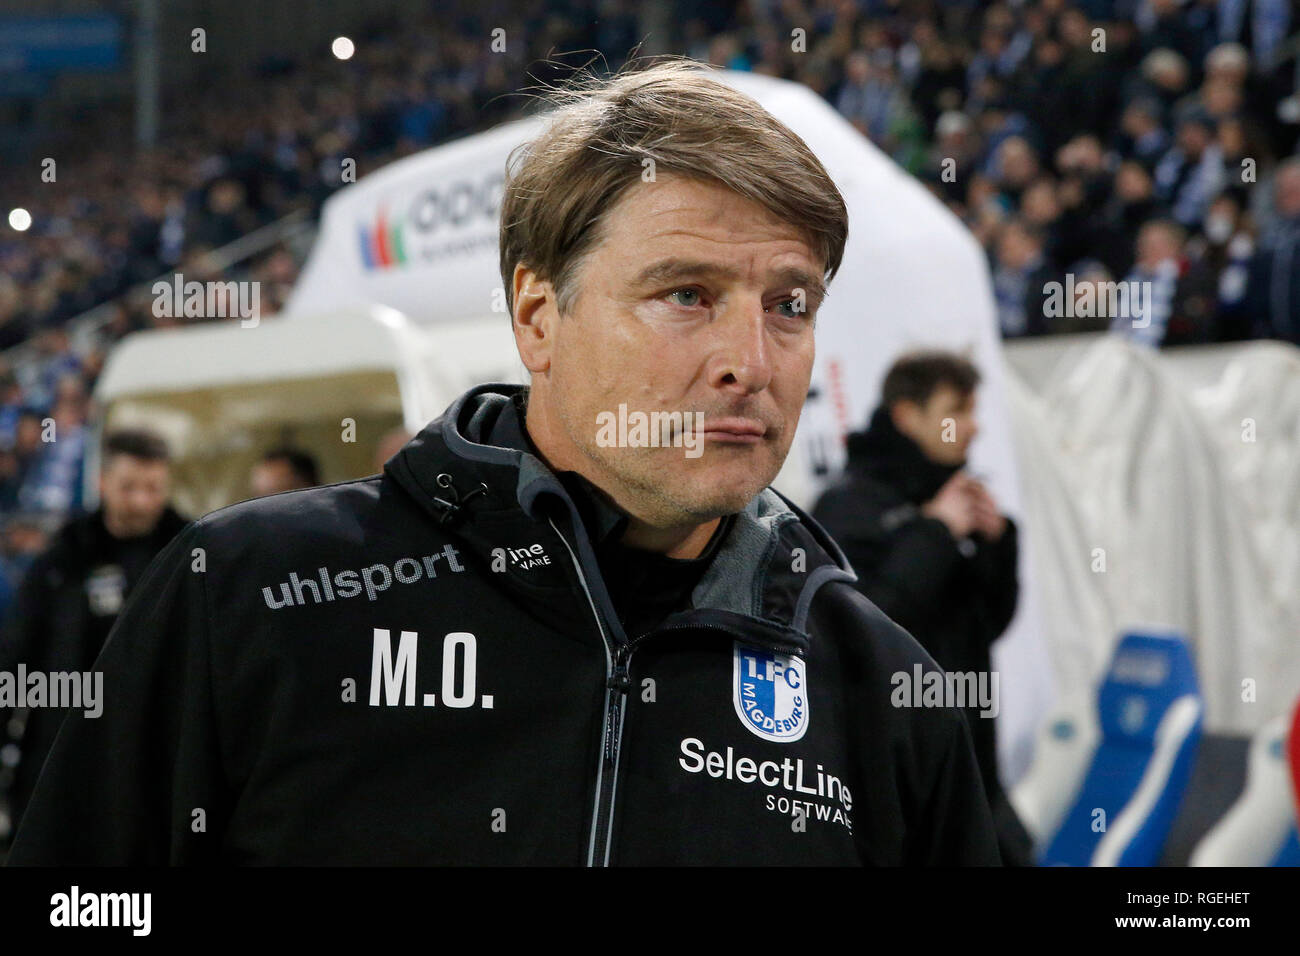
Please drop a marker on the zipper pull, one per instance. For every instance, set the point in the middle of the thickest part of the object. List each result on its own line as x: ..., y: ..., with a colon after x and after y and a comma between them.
x: 620, y: 681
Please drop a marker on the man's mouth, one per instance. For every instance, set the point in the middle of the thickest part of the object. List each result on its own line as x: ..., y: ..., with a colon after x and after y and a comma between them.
x: 738, y: 431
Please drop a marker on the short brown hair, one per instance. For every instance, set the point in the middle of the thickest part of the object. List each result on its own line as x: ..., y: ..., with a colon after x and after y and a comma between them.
x: 559, y: 186
x: 914, y: 376
x: 136, y: 442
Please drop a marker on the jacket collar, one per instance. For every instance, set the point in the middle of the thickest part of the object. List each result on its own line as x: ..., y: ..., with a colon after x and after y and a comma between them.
x: 469, y: 468
x: 884, y: 453
x: 603, y: 520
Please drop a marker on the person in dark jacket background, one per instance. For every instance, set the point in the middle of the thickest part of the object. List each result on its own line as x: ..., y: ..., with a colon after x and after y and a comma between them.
x: 71, y: 595
x: 929, y: 545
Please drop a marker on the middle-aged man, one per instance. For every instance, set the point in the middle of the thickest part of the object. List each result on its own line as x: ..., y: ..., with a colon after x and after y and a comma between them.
x: 549, y: 633
x: 74, y: 592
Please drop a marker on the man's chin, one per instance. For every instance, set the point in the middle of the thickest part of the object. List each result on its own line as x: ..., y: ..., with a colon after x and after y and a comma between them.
x: 702, y: 488
x: 723, y: 498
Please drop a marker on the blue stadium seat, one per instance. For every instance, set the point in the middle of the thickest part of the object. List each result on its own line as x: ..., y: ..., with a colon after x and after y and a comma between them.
x: 1260, y: 828
x: 1063, y: 749
x: 1149, y: 710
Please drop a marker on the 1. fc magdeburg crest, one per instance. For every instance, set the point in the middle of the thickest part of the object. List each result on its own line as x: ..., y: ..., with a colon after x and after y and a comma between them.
x: 770, y: 692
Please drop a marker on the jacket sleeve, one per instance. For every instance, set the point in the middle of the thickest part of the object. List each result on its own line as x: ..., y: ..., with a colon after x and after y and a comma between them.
x: 956, y: 823
x: 903, y: 559
x: 139, y: 784
x: 1000, y: 584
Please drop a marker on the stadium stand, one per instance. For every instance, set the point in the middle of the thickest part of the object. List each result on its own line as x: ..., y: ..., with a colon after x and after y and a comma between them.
x: 1172, y: 160
x: 969, y: 96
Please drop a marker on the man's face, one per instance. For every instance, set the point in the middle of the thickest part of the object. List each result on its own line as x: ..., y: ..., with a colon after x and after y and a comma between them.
x: 1015, y: 248
x: 1193, y: 138
x: 274, y: 476
x: 1155, y: 244
x: 943, y: 427
x: 29, y: 433
x: 134, y: 493
x: 685, y: 304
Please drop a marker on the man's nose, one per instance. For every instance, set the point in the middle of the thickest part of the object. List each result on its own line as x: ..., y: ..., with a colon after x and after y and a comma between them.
x: 742, y: 360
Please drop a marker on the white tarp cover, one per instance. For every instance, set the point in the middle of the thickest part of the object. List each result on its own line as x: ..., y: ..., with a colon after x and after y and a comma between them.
x: 1258, y: 398
x: 1079, y: 629
x: 420, y: 235
x: 1196, y: 518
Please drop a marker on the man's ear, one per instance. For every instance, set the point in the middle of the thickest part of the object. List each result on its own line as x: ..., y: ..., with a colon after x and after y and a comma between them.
x: 535, y: 319
x: 905, y: 414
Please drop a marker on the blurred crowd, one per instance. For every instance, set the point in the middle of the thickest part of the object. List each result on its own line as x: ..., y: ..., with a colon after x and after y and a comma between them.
x: 238, y: 156
x: 1103, y: 141
x: 1093, y: 147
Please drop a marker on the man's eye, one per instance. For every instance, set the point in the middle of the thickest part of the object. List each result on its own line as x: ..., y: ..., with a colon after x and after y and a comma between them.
x: 686, y: 292
x: 790, y: 309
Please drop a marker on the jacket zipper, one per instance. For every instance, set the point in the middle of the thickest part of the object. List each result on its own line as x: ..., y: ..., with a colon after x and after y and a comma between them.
x: 618, y: 655
x: 617, y: 687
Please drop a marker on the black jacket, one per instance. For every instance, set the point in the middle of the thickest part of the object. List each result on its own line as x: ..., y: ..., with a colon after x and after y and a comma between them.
x: 955, y: 604
x: 64, y: 609
x: 264, y: 703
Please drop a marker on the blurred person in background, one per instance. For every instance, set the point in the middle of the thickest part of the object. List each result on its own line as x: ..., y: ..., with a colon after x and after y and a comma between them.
x: 27, y: 450
x: 1142, y: 137
x: 929, y: 545
x: 1020, y: 276
x: 1221, y: 253
x: 952, y: 158
x: 11, y: 406
x: 283, y: 469
x: 1273, y: 286
x: 25, y: 538
x: 72, y: 593
x: 1089, y: 292
x: 1156, y: 273
x: 389, y: 445
x: 1015, y: 167
x: 1131, y: 204
x: 1084, y: 185
x: 53, y: 482
x: 1191, y: 174
x: 55, y: 359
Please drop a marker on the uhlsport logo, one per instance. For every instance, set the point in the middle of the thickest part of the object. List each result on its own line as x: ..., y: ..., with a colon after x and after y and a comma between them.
x: 770, y: 692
